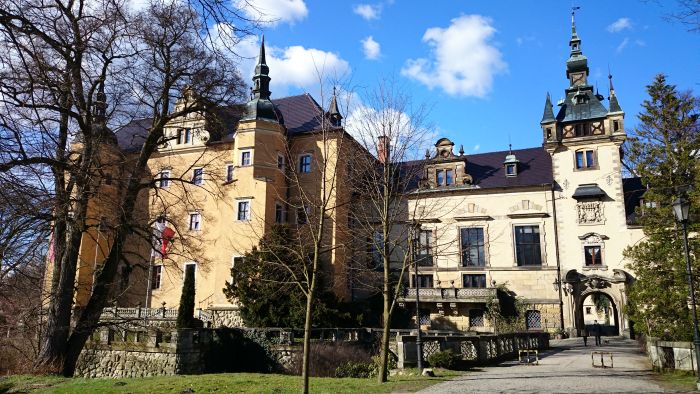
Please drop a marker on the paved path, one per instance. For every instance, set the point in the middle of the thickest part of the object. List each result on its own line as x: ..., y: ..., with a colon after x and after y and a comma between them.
x: 566, y: 368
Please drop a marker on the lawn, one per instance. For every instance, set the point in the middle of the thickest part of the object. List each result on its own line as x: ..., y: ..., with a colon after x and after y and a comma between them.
x: 218, y: 383
x: 681, y: 381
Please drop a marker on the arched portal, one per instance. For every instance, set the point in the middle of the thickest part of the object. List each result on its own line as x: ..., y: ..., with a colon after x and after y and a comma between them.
x: 604, y: 294
x: 599, y: 306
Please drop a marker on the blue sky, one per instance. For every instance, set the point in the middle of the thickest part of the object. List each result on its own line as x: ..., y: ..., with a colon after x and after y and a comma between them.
x: 484, y: 67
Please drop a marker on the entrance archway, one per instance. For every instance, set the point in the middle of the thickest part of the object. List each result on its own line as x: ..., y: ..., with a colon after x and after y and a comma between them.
x: 598, y: 306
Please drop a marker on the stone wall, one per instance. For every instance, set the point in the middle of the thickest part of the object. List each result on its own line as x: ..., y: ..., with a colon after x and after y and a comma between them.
x: 125, y: 353
x: 667, y: 355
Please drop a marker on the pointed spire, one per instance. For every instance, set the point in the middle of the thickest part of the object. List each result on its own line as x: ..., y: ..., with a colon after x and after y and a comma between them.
x: 101, y: 102
x: 461, y: 149
x: 333, y: 112
x: 261, y: 79
x: 614, y: 104
x: 548, y: 114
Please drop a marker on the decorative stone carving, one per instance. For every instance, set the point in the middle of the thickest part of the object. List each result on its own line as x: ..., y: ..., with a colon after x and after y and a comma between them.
x: 590, y: 212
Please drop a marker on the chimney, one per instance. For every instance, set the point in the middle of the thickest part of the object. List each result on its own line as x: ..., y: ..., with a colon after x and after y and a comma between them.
x: 383, y: 149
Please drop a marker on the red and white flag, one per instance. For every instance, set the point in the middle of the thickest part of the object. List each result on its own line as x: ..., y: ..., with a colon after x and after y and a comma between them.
x: 163, y: 236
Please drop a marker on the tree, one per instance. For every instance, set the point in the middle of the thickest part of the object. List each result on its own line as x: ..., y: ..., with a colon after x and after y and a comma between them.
x: 265, y: 290
x: 664, y: 152
x: 388, y: 125
x: 63, y: 63
x: 185, y: 311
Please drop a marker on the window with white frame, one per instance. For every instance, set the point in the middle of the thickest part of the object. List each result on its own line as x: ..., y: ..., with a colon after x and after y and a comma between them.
x: 164, y: 179
x: 198, y: 176
x: 527, y: 245
x: 178, y: 137
x: 246, y: 158
x: 195, y: 221
x: 593, y: 249
x: 424, y: 248
x: 280, y: 161
x: 280, y: 213
x: 243, y: 213
x: 187, y: 136
x: 156, y: 277
x: 229, y: 172
x: 305, y: 164
x: 472, y: 244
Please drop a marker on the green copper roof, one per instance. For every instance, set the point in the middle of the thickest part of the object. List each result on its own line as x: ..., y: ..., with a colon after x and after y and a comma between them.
x: 590, y: 108
x: 260, y: 106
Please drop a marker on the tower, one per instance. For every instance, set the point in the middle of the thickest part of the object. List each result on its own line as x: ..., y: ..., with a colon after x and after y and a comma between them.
x: 584, y: 140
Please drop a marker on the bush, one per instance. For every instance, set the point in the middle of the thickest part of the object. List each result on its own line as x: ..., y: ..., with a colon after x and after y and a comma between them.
x: 447, y: 359
x: 326, y: 357
x: 391, y: 362
x: 351, y: 369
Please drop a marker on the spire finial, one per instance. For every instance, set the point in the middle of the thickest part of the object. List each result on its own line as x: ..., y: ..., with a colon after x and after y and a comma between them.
x: 101, y: 101
x: 261, y: 79
x: 427, y: 154
x: 510, y: 148
x: 461, y: 149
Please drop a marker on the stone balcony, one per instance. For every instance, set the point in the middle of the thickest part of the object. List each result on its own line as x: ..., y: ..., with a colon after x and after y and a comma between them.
x: 449, y: 295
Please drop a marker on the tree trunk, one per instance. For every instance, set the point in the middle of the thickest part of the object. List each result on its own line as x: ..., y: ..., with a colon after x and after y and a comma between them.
x: 383, y: 366
x: 307, y: 342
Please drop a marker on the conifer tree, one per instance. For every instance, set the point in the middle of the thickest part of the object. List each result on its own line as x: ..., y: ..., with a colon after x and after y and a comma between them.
x: 185, y: 312
x: 664, y: 153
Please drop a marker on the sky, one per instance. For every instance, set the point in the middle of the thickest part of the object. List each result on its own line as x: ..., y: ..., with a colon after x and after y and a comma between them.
x: 483, y: 68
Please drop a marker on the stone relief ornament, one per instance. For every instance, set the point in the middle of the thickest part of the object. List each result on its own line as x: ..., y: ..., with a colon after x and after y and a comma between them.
x: 590, y: 212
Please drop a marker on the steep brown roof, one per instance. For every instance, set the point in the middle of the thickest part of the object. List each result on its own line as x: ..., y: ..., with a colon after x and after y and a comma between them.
x: 301, y: 114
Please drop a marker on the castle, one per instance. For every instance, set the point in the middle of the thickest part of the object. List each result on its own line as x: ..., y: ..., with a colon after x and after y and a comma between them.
x: 549, y: 223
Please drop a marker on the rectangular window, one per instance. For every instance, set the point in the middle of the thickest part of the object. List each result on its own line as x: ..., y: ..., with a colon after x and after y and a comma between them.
x: 280, y: 214
x: 305, y: 164
x: 376, y: 248
x: 477, y: 281
x: 195, y: 221
x: 476, y: 318
x: 280, y: 161
x: 243, y: 211
x: 472, y: 240
x: 178, y: 137
x: 533, y: 320
x: 229, y: 173
x: 583, y: 129
x: 527, y: 246
x: 246, y: 158
x: 424, y: 281
x: 198, y: 176
x: 588, y: 310
x: 156, y: 276
x: 510, y: 169
x: 593, y: 255
x: 424, y: 249
x: 616, y: 125
x: 188, y: 136
x: 449, y: 177
x: 585, y: 159
x: 440, y: 177
x: 164, y: 180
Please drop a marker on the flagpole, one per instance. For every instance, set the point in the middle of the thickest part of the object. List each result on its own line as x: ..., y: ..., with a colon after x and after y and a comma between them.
x: 147, y: 304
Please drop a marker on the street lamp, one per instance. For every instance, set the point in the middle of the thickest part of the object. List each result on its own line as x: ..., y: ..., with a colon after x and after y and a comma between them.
x: 681, y: 207
x: 414, y: 246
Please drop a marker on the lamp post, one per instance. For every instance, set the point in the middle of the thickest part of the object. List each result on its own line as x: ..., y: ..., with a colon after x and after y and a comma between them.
x: 681, y: 207
x: 416, y: 284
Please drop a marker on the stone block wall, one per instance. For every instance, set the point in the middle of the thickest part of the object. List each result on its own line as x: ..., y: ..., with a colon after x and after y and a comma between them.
x: 667, y: 355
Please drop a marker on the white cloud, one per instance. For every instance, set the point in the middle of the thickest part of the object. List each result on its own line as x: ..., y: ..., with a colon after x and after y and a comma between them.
x: 274, y: 11
x: 476, y: 147
x: 620, y: 25
x: 463, y: 62
x: 623, y: 45
x: 368, y: 11
x: 371, y: 48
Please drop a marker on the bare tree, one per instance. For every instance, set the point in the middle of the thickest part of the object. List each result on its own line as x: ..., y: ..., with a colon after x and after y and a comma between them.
x: 389, y: 126
x: 62, y: 62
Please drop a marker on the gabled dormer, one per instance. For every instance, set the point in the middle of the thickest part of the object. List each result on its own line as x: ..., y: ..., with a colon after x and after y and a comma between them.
x: 444, y: 168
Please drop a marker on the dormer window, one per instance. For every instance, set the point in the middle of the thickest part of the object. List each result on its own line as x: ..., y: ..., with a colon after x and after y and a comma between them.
x: 511, y: 165
x: 449, y: 177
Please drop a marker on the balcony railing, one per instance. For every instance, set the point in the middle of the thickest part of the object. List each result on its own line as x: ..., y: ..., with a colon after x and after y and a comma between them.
x: 450, y: 294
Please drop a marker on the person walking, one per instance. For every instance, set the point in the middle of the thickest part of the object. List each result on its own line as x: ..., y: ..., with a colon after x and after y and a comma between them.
x: 596, y: 331
x: 584, y: 334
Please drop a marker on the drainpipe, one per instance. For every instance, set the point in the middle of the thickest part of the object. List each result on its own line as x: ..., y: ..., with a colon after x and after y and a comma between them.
x: 556, y: 247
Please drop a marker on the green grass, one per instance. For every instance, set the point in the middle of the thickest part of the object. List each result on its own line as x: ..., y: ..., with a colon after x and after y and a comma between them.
x: 218, y: 383
x: 678, y: 380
